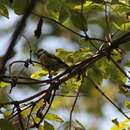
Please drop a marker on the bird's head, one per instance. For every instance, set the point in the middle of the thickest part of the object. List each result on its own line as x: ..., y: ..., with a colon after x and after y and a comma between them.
x: 40, y: 52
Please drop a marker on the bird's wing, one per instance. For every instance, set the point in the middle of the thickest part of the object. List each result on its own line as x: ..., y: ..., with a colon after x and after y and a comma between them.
x: 58, y: 60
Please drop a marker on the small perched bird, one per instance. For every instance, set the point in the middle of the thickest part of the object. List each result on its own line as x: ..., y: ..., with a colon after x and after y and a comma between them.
x: 50, y: 61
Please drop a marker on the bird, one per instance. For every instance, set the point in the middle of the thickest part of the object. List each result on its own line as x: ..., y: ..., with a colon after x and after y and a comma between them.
x: 50, y: 61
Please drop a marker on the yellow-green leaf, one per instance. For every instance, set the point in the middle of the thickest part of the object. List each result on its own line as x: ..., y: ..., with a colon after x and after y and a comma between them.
x: 122, y: 27
x: 48, y: 126
x: 127, y: 104
x: 78, y: 20
x: 72, y: 84
x: 39, y: 74
x: 3, y: 11
x: 54, y: 117
x: 122, y: 125
x: 4, y: 84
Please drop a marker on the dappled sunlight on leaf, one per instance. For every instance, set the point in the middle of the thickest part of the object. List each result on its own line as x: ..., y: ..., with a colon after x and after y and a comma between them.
x: 122, y: 125
x: 39, y: 74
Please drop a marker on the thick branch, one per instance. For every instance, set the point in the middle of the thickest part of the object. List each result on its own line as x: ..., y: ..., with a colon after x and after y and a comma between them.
x: 16, y: 33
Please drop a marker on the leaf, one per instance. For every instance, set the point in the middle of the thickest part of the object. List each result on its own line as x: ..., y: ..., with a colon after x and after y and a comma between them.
x: 54, y: 7
x: 75, y: 125
x: 4, y: 11
x: 117, y: 55
x: 41, y: 127
x: 96, y: 74
x: 122, y: 27
x: 81, y: 125
x: 73, y: 3
x: 63, y: 14
x: 127, y: 104
x: 122, y: 125
x: 6, y: 125
x: 53, y: 117
x: 78, y: 20
x: 115, y: 121
x: 19, y: 6
x: 6, y: 2
x: 48, y: 126
x: 39, y: 74
x: 73, y: 57
x: 115, y: 75
x: 97, y: 1
x: 72, y: 84
x: 4, y: 84
x: 114, y: 1
x: 33, y: 110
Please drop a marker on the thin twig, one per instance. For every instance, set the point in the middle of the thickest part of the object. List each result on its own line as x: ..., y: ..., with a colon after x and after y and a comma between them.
x: 73, y: 96
x: 119, y: 67
x: 72, y: 70
x: 103, y: 94
x: 24, y: 100
x: 16, y: 34
x: 33, y: 105
x: 29, y: 46
x: 52, y: 98
x: 19, y: 115
x: 78, y: 34
x: 73, y: 106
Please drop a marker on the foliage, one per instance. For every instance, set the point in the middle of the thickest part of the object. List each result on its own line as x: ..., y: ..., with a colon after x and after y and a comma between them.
x: 100, y: 29
x: 121, y: 125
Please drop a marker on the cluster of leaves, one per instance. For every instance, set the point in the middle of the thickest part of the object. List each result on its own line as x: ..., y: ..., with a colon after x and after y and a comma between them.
x: 77, y: 17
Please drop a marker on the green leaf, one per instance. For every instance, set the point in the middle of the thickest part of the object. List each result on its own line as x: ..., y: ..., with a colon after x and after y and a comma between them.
x: 122, y: 27
x: 74, y: 2
x: 48, y: 126
x: 114, y: 1
x: 93, y: 71
x: 53, y: 117
x: 19, y: 6
x: 6, y: 2
x: 78, y: 20
x: 73, y: 57
x: 75, y: 125
x: 97, y: 1
x: 117, y: 55
x: 3, y: 11
x: 63, y: 14
x: 54, y: 7
x: 6, y: 125
x: 72, y: 84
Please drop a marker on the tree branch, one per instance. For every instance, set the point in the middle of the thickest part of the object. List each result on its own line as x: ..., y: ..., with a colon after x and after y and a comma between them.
x: 16, y: 33
x: 102, y: 93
